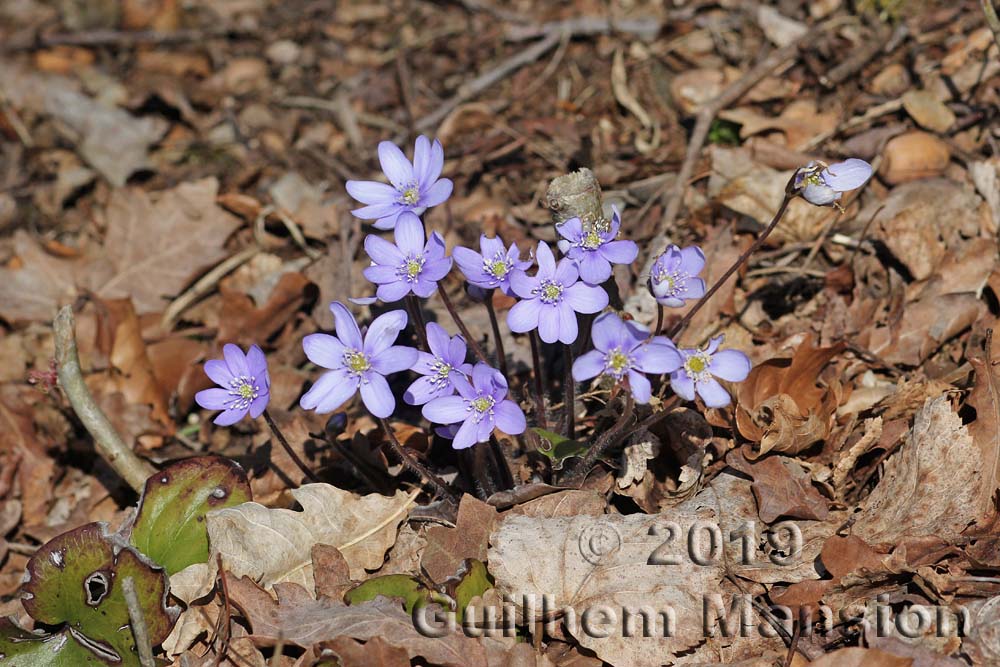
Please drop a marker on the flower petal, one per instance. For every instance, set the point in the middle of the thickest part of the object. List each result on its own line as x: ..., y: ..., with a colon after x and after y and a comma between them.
x: 714, y: 395
x: 395, y: 165
x: 571, y: 229
x: 588, y: 365
x: 382, y: 252
x: 377, y: 396
x: 437, y: 193
x: 436, y: 270
x: 257, y: 362
x: 258, y: 405
x: 330, y: 391
x: 218, y: 371
x: 438, y: 339
x: 396, y: 359
x: 546, y: 261
x: 523, y: 317
x: 324, y: 350
x: 445, y: 410
x: 346, y: 326
x: 608, y: 332
x: 657, y: 358
x: 642, y: 392
x: 236, y: 360
x: 376, y: 211
x: 594, y: 268
x: 425, y: 389
x: 230, y: 417
x: 380, y: 274
x: 383, y: 332
x: 682, y: 384
x: 620, y: 252
x: 421, y: 158
x: 847, y: 175
x: 567, y: 272
x: 213, y: 399
x: 371, y: 192
x: 820, y: 195
x: 389, y: 221
x: 523, y: 285
x: 435, y: 163
x: 394, y: 291
x: 410, y: 234
x: 548, y: 323
x: 568, y: 329
x: 466, y: 435
x: 692, y: 260
x: 586, y: 298
x: 730, y: 365
x: 457, y: 349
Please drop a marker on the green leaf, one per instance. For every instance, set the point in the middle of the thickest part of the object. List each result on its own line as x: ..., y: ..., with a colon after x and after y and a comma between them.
x: 475, y: 582
x: 412, y: 592
x: 724, y: 132
x: 20, y: 648
x: 170, y: 527
x: 559, y: 447
x: 75, y: 579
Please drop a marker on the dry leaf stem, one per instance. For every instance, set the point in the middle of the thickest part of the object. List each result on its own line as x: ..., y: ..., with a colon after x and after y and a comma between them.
x: 138, y: 624
x: 415, y: 465
x: 569, y: 385
x: 108, y: 443
x: 992, y: 19
x: 536, y: 362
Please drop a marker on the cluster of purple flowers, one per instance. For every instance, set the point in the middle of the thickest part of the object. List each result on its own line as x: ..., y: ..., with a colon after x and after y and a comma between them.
x: 468, y: 401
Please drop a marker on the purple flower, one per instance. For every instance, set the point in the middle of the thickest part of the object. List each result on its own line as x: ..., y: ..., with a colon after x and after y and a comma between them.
x: 355, y: 362
x: 624, y: 350
x: 415, y: 187
x: 822, y: 185
x: 699, y: 368
x: 479, y: 407
x: 410, y: 265
x: 595, y: 251
x: 447, y: 359
x: 552, y: 298
x: 244, y: 385
x: 673, y: 278
x: 493, y: 267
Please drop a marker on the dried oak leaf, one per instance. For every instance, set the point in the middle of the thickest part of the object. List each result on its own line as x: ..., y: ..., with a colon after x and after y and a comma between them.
x: 861, y: 657
x: 38, y: 284
x: 781, y: 408
x: 305, y: 622
x: 935, y: 485
x: 985, y: 431
x: 156, y: 243
x: 447, y: 547
x: 782, y: 488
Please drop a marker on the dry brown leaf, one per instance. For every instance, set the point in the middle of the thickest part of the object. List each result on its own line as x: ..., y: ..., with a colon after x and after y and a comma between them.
x: 305, y: 622
x: 932, y: 486
x: 331, y: 572
x: 800, y: 121
x: 929, y: 112
x: 985, y: 430
x: 244, y: 323
x: 446, y: 547
x: 914, y: 156
x: 861, y: 657
x: 376, y: 652
x: 782, y: 488
x: 40, y: 283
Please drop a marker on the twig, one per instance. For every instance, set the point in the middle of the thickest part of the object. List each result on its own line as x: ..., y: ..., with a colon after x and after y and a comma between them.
x: 645, y: 28
x: 296, y: 233
x: 114, y: 38
x: 415, y: 465
x: 205, y: 285
x: 108, y: 443
x: 288, y: 448
x: 862, y: 55
x: 536, y: 361
x: 472, y: 88
x: 138, y: 624
x: 992, y: 20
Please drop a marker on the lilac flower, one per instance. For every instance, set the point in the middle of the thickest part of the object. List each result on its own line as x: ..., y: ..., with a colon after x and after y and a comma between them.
x: 355, y: 362
x: 823, y: 185
x: 595, y: 251
x: 673, y: 278
x: 624, y: 350
x: 699, y: 368
x: 447, y: 359
x: 415, y: 187
x: 410, y: 265
x: 552, y: 298
x: 480, y: 406
x: 493, y: 267
x: 244, y: 385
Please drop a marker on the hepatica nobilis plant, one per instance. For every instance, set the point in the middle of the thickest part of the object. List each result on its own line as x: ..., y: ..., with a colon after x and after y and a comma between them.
x: 562, y: 303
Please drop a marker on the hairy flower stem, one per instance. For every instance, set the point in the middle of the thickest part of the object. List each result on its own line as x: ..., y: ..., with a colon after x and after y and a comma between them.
x: 288, y: 448
x: 740, y: 261
x: 536, y: 361
x: 417, y: 317
x: 498, y: 341
x: 578, y: 473
x: 414, y: 465
x: 570, y: 390
x: 478, y: 351
x: 659, y: 321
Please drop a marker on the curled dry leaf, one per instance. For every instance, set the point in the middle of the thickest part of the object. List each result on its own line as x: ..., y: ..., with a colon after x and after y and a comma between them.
x: 913, y: 156
x: 447, y: 548
x: 781, y: 408
x: 782, y: 488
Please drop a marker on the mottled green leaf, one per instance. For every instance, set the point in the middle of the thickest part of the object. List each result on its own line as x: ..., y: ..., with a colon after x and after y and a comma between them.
x: 20, y: 648
x: 475, y: 582
x: 559, y: 447
x: 400, y: 586
x: 170, y: 527
x: 75, y: 579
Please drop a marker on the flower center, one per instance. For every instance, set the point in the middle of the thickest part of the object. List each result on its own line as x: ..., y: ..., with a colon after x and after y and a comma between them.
x: 549, y: 291
x: 410, y: 196
x: 591, y: 240
x: 356, y: 362
x: 617, y: 362
x: 243, y: 389
x: 815, y: 178
x: 410, y: 268
x: 498, y: 266
x: 670, y: 283
x: 482, y: 404
x: 442, y: 371
x: 696, y: 366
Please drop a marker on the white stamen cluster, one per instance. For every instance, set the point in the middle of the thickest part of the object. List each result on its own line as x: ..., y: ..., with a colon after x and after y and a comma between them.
x: 244, y: 390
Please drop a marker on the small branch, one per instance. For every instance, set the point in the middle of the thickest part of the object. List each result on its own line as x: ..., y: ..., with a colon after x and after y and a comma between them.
x: 992, y: 20
x: 414, y: 465
x: 476, y: 349
x: 310, y: 475
x: 138, y: 624
x: 108, y: 443
x: 536, y: 361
